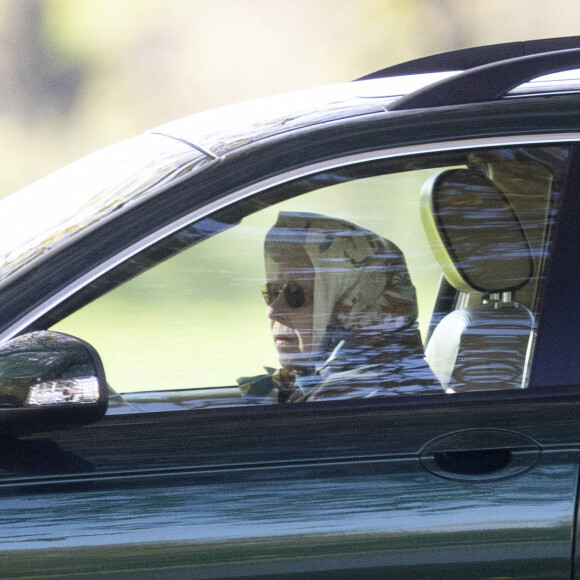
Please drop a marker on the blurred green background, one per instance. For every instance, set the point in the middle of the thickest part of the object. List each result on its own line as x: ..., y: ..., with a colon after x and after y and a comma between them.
x: 80, y: 74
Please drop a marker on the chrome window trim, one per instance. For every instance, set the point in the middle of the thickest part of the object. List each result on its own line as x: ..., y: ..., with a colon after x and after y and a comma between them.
x: 256, y: 188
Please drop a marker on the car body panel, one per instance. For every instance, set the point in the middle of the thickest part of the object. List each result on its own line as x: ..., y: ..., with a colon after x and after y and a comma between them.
x: 336, y: 489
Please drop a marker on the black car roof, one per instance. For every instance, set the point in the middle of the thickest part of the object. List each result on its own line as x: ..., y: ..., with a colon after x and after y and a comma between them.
x: 467, y: 58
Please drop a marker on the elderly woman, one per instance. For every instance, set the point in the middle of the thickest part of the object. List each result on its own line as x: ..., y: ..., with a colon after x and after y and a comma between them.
x: 343, y: 315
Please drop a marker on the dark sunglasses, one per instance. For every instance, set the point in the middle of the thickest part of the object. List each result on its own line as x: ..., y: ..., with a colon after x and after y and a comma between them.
x: 293, y: 293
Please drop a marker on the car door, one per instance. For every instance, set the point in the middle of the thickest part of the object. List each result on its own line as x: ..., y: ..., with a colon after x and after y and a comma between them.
x: 186, y: 477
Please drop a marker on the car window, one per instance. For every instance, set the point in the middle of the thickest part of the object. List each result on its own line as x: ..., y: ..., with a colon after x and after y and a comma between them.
x: 405, y: 276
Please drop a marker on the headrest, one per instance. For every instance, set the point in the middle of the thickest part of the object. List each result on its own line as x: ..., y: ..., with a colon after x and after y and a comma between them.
x: 474, y: 233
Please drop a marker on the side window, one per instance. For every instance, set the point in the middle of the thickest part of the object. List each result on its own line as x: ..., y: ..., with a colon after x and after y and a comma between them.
x: 408, y: 276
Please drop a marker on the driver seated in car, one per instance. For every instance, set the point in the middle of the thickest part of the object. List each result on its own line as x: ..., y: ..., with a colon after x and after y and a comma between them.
x: 343, y: 315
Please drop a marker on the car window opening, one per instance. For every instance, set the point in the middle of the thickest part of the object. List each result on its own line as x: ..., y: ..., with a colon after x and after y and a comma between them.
x: 469, y: 232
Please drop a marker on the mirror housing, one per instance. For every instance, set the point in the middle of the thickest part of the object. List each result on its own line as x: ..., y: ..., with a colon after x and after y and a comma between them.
x: 49, y: 381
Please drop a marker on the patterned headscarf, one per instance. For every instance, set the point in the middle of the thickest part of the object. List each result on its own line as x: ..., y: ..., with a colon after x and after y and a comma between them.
x: 361, y: 283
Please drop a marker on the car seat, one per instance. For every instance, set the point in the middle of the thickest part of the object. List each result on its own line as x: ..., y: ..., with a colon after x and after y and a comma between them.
x: 485, y: 254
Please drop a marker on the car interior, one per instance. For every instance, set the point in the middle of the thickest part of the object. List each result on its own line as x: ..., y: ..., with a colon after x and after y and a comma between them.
x: 487, y: 218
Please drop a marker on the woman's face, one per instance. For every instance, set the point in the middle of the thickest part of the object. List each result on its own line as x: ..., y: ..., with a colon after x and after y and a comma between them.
x: 291, y: 325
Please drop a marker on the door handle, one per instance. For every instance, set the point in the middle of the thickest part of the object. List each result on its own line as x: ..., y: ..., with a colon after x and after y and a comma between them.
x: 479, y: 454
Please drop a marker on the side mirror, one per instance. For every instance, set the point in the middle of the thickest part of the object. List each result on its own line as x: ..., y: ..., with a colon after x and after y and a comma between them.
x: 49, y: 381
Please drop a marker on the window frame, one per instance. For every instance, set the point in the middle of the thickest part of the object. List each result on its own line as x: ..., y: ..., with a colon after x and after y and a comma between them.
x: 37, y: 317
x: 284, y: 190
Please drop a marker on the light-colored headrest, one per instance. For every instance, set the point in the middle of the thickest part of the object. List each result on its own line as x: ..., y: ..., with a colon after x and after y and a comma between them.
x: 474, y: 233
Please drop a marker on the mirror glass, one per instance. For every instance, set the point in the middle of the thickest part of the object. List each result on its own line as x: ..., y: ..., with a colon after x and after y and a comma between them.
x: 49, y: 368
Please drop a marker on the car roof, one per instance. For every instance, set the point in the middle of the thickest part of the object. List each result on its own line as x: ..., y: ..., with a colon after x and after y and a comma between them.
x: 219, y: 131
x: 453, y: 78
x: 467, y: 58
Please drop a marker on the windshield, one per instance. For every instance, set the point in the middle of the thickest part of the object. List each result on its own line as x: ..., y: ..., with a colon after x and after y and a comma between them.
x: 51, y: 210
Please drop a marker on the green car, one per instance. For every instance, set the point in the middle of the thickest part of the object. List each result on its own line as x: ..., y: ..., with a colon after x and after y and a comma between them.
x: 331, y: 334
